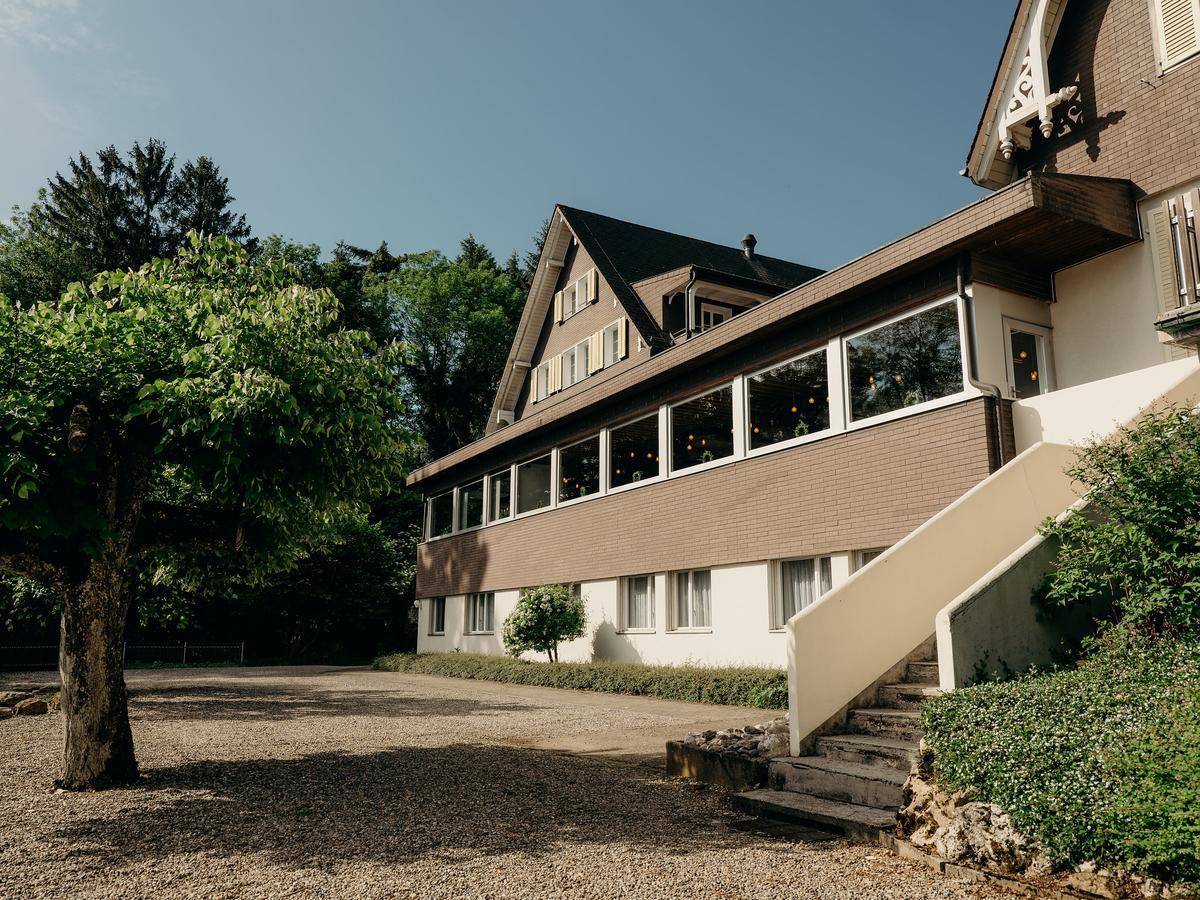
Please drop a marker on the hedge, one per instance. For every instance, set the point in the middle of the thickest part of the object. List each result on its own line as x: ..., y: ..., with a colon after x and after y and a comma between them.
x: 735, y: 686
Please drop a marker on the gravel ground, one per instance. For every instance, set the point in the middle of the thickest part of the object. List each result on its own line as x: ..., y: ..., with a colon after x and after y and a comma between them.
x: 356, y: 784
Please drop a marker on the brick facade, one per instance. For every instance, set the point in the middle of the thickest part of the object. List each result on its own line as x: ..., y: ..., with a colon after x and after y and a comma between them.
x: 860, y: 489
x: 1128, y: 121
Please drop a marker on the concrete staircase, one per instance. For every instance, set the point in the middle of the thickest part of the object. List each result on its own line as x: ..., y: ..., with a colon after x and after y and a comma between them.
x: 853, y: 782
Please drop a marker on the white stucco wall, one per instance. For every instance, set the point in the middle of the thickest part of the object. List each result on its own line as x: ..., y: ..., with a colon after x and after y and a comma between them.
x: 740, y: 633
x: 992, y: 306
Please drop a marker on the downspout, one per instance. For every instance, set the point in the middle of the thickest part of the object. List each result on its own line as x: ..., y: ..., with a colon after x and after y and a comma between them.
x: 689, y: 311
x: 973, y: 359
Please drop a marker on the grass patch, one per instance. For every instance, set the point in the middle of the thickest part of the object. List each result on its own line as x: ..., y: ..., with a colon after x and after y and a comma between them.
x: 741, y: 686
x: 1097, y: 762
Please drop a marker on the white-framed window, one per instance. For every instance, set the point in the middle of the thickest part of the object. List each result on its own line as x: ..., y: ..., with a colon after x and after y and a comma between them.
x: 541, y: 382
x: 470, y: 505
x: 702, y: 429
x: 611, y: 342
x: 633, y: 452
x: 500, y: 495
x: 575, y: 296
x: 441, y: 515
x: 711, y: 316
x: 579, y: 470
x: 692, y: 600
x: 862, y: 557
x: 437, y: 615
x: 798, y: 583
x: 481, y: 610
x: 1176, y: 31
x: 575, y: 364
x: 904, y: 362
x: 637, y: 603
x: 789, y: 400
x: 533, y: 484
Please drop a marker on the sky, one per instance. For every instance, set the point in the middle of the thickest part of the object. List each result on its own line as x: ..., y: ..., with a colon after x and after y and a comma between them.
x: 826, y: 129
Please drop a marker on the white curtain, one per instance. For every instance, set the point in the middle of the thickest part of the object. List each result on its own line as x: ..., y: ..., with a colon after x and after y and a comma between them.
x: 639, y: 612
x: 701, y: 599
x: 796, y: 576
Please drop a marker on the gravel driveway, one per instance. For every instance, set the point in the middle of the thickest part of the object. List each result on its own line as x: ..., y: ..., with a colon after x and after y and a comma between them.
x: 346, y: 783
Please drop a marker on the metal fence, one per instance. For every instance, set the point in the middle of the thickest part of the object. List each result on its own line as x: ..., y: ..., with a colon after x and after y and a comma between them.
x: 45, y: 656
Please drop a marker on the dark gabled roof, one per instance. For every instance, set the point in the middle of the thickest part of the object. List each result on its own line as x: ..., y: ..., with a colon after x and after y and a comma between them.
x: 637, y: 252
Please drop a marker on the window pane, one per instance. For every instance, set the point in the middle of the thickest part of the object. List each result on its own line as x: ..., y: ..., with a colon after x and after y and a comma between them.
x: 581, y: 361
x: 789, y: 401
x: 908, y: 362
x: 437, y: 615
x: 579, y: 469
x: 639, y: 610
x: 633, y: 452
x: 1028, y: 380
x: 702, y: 429
x: 682, y: 607
x: 610, y: 344
x: 543, y: 381
x: 533, y: 484
x: 701, y: 599
x: 441, y: 514
x: 501, y: 493
x: 470, y: 505
x: 826, y: 576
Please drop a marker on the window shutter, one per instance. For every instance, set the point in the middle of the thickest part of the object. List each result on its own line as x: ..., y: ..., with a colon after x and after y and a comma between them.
x: 596, y: 352
x: 556, y: 372
x: 533, y: 376
x: 622, y: 339
x: 558, y: 306
x: 1163, y: 251
x: 1179, y: 28
x: 593, y: 286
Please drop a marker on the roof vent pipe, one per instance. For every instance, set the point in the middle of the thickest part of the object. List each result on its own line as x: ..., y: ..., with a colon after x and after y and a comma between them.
x: 748, y: 244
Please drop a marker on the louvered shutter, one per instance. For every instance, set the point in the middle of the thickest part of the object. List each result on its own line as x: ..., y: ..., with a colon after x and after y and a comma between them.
x: 1179, y: 30
x: 593, y: 286
x: 556, y: 373
x: 558, y: 306
x: 596, y: 352
x: 1166, y: 280
x: 622, y: 339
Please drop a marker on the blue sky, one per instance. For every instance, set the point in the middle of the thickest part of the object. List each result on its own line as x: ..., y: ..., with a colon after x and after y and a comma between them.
x: 825, y: 128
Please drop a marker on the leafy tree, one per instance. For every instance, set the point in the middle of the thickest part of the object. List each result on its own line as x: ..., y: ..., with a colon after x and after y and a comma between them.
x: 521, y: 269
x: 457, y: 321
x: 543, y: 618
x: 113, y: 213
x: 475, y: 255
x: 1137, y: 544
x: 193, y: 417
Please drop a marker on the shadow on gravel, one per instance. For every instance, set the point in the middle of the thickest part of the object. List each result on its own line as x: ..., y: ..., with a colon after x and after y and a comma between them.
x: 218, y: 703
x: 450, y: 802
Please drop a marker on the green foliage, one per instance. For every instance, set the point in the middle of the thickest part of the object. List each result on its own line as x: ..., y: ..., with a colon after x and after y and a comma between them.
x: 223, y: 382
x: 734, y: 686
x: 1138, y: 542
x: 1156, y: 804
x: 458, y: 320
x: 543, y: 618
x: 1050, y: 748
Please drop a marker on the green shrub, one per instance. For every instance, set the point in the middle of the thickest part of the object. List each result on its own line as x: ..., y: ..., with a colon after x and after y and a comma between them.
x: 736, y: 686
x: 544, y: 617
x: 1137, y: 545
x: 1050, y: 749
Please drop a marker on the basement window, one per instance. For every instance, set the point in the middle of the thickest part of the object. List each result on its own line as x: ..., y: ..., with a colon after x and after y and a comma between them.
x: 799, y: 582
x: 693, y: 600
x: 437, y: 615
x: 637, y: 603
x: 481, y: 611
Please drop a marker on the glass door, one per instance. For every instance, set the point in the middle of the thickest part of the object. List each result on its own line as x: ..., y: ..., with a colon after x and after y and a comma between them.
x: 1028, y: 358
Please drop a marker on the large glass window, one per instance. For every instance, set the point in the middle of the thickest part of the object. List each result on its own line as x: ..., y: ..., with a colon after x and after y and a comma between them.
x: 693, y: 599
x: 500, y: 495
x: 916, y: 359
x: 702, y: 429
x: 441, y: 514
x: 437, y: 615
x: 637, y: 604
x: 533, y: 484
x: 579, y: 470
x: 470, y: 505
x: 789, y: 401
x: 633, y: 452
x: 481, y: 610
x: 801, y: 582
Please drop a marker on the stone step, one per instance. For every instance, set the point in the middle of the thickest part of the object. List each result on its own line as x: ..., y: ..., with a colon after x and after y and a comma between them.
x: 904, y: 724
x: 877, y: 785
x: 925, y: 672
x: 862, y: 823
x: 906, y: 695
x: 869, y: 750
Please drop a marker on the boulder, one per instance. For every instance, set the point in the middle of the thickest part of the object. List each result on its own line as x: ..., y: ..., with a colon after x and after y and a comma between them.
x: 34, y: 706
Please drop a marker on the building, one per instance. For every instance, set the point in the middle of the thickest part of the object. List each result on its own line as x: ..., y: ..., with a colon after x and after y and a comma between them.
x: 706, y: 441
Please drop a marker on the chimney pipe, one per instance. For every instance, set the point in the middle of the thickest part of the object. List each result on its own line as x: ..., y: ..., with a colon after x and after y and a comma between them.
x: 748, y: 244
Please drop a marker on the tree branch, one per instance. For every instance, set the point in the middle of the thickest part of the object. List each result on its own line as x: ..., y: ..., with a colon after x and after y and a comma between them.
x: 22, y: 556
x: 164, y: 525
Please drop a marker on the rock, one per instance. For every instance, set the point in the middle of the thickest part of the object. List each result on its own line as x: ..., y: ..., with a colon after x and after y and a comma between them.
x: 6, y: 712
x: 12, y: 698
x: 1093, y: 883
x: 779, y: 726
x: 34, y: 706
x: 773, y: 745
x: 708, y: 735
x: 752, y: 729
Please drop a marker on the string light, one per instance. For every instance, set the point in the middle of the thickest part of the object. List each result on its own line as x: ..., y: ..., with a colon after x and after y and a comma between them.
x: 794, y: 409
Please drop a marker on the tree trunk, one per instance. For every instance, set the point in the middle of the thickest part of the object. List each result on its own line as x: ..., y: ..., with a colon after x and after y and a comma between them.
x: 98, y: 752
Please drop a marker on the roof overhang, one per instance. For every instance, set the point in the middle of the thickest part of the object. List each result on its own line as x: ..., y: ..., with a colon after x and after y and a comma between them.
x: 1046, y: 222
x: 1022, y: 97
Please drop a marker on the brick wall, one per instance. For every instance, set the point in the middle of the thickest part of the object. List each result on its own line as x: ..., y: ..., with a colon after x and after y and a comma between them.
x: 857, y: 490
x: 1133, y: 123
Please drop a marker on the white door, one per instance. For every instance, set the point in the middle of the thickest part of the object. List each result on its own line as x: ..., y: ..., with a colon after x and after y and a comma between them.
x: 712, y: 316
x: 1030, y: 370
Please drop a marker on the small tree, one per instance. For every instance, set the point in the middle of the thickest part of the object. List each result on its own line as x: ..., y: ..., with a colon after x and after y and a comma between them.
x: 200, y: 415
x: 544, y: 617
